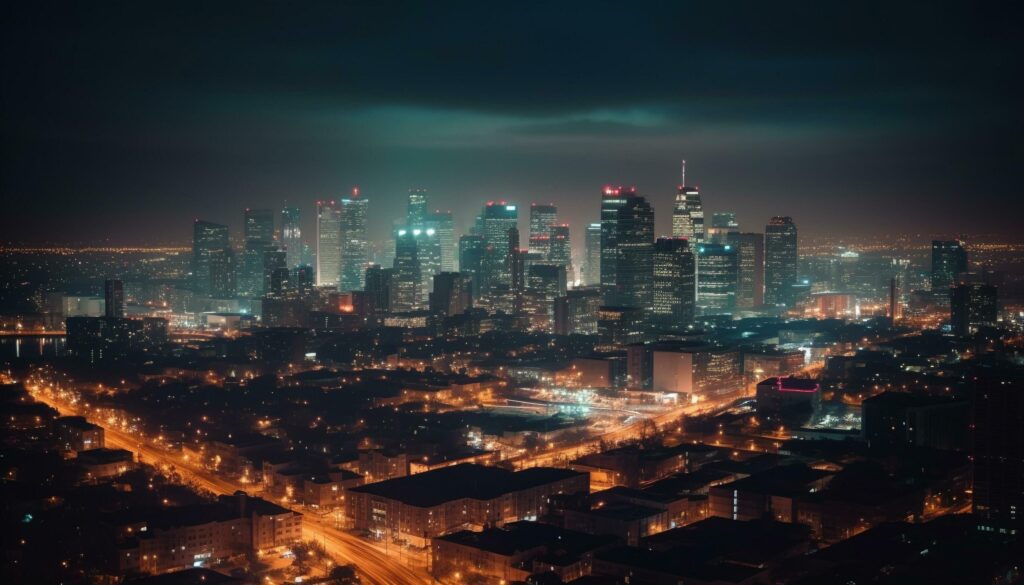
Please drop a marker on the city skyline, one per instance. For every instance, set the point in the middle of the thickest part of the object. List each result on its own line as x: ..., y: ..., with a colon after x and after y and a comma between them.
x: 794, y: 122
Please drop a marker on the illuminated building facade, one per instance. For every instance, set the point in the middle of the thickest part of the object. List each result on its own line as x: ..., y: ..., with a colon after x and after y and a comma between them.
x: 354, y: 245
x: 949, y: 259
x: 592, y: 261
x: 618, y: 327
x: 717, y: 277
x: 688, y: 212
x: 576, y: 312
x: 259, y: 235
x: 471, y: 255
x: 780, y: 261
x: 206, y: 237
x: 627, y: 244
x: 328, y: 243
x: 497, y: 219
x: 291, y: 235
x: 406, y: 280
x: 973, y: 305
x: 750, y: 277
x: 674, y: 284
x: 542, y: 218
x: 560, y: 248
x: 416, y: 212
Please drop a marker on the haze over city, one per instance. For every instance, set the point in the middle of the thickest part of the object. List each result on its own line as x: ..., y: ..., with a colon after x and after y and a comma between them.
x: 857, y: 119
x: 490, y: 293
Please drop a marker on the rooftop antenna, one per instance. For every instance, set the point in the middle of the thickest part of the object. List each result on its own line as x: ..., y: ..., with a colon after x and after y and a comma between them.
x: 682, y: 173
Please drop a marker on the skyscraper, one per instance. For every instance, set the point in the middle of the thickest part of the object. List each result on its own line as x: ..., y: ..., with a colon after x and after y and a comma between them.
x: 688, y: 212
x: 560, y: 248
x: 592, y: 262
x: 416, y: 212
x: 259, y: 235
x: 627, y: 240
x: 998, y: 450
x: 542, y: 217
x: 444, y: 223
x: 544, y: 284
x: 780, y: 261
x: 497, y: 219
x: 206, y: 237
x: 674, y: 284
x: 328, y: 243
x: 722, y: 224
x: 750, y: 284
x: 452, y: 295
x: 378, y: 289
x: 113, y: 296
x: 972, y: 305
x: 291, y: 234
x: 576, y: 312
x: 354, y: 246
x: 407, y: 280
x: 276, y: 276
x: 223, y: 274
x: 949, y: 259
x: 717, y: 276
x: 471, y: 254
x: 515, y: 269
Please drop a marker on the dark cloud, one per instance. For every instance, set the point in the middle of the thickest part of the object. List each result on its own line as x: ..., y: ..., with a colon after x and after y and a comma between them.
x: 114, y: 113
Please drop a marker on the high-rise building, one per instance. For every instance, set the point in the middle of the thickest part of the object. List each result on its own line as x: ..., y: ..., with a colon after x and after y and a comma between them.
x: 542, y: 217
x: 949, y: 259
x: 780, y: 261
x: 576, y: 312
x: 750, y: 284
x: 379, y: 289
x: 223, y: 274
x: 452, y: 295
x: 276, y: 276
x: 544, y: 284
x: 407, y: 279
x: 517, y: 276
x: 113, y: 296
x: 592, y: 262
x: 291, y: 235
x: 717, y: 277
x: 354, y: 246
x: 618, y: 327
x: 206, y: 237
x: 998, y: 450
x: 627, y: 240
x: 416, y: 212
x: 688, y: 212
x: 428, y: 247
x: 444, y: 223
x: 674, y: 284
x: 973, y: 305
x: 722, y: 225
x: 497, y: 219
x: 328, y: 243
x: 259, y: 235
x: 895, y: 302
x: 471, y: 255
x: 560, y: 247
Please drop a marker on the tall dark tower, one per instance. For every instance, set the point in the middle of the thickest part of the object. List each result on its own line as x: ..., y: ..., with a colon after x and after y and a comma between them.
x: 780, y: 261
x: 949, y: 258
x: 627, y: 243
x: 206, y: 238
x: 514, y: 263
x: 998, y: 450
x: 113, y: 295
x: 674, y: 284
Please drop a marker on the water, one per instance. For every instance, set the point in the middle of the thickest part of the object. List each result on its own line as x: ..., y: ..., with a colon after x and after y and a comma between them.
x: 30, y: 347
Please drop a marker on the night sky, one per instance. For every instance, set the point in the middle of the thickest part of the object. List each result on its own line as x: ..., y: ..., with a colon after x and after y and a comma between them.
x: 124, y: 121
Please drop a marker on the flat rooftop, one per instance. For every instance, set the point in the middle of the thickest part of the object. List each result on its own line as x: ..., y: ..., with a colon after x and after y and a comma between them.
x: 466, y: 480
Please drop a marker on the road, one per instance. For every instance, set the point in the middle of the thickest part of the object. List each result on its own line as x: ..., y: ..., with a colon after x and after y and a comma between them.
x: 374, y: 564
